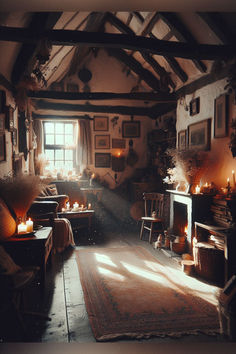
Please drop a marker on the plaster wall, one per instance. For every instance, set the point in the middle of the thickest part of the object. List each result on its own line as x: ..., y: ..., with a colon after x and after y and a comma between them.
x: 220, y: 160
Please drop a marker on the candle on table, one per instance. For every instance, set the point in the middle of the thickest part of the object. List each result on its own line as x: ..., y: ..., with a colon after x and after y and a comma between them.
x: 75, y: 206
x: 233, y: 178
x: 67, y: 205
x: 89, y: 206
x: 30, y: 225
x: 22, y: 228
x: 197, y: 189
x: 228, y: 182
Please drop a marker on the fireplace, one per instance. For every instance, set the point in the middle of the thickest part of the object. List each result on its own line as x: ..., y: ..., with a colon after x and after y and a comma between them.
x: 185, y: 209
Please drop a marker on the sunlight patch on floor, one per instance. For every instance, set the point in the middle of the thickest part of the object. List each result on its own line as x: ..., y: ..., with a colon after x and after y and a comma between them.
x: 109, y: 273
x: 102, y: 258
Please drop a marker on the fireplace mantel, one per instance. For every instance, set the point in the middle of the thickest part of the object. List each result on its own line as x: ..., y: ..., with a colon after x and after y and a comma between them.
x: 198, y: 206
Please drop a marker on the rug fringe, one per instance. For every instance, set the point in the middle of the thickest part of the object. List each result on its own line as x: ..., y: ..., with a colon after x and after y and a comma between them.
x: 113, y: 336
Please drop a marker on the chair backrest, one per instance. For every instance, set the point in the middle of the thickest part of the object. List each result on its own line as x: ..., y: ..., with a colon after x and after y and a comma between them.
x: 153, y: 202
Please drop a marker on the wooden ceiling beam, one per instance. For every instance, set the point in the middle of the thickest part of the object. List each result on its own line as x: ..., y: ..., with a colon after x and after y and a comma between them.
x: 86, y: 96
x: 61, y: 116
x: 182, y: 34
x: 151, y: 112
x: 43, y: 20
x: 148, y: 24
x: 111, y: 40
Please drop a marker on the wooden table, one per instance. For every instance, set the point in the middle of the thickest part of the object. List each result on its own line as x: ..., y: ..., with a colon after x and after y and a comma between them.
x: 32, y: 251
x: 75, y: 216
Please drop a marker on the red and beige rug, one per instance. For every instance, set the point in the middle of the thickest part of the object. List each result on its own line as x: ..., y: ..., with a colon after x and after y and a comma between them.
x: 128, y: 293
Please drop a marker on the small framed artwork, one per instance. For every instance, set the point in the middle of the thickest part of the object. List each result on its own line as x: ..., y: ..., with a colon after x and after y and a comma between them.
x: 102, y: 159
x: 14, y: 137
x: 221, y: 119
x: 194, y: 106
x: 182, y: 139
x: 2, y: 123
x: 100, y: 123
x: 2, y: 147
x: 10, y: 118
x: 131, y: 129
x: 2, y: 101
x: 102, y: 141
x: 199, y: 135
x: 118, y: 143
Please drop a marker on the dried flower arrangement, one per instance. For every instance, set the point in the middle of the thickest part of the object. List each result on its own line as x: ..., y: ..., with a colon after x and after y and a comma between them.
x: 19, y: 192
x: 187, y: 167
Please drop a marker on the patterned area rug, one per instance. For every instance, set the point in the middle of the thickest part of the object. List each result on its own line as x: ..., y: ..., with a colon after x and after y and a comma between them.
x: 128, y: 293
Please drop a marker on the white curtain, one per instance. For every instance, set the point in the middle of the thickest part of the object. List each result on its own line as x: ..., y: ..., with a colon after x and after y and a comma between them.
x: 84, y: 145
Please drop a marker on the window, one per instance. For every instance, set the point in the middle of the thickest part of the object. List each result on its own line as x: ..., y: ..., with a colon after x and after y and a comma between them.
x: 59, y: 145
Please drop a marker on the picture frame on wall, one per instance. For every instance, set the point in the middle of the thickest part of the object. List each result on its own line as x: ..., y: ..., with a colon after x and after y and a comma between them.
x: 102, y: 141
x: 2, y: 101
x: 100, y: 123
x: 10, y: 118
x: 118, y: 143
x: 2, y: 147
x: 194, y: 106
x: 199, y: 135
x: 182, y: 140
x: 131, y: 129
x: 102, y: 160
x: 221, y: 116
x: 2, y: 123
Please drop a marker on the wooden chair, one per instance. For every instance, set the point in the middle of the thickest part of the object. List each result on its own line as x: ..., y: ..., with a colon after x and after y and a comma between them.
x: 153, y: 219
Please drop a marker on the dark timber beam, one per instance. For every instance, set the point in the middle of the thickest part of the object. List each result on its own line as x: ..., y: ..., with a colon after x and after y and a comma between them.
x: 121, y: 26
x: 43, y: 20
x: 182, y: 34
x: 136, y: 67
x: 61, y: 116
x: 218, y: 26
x: 86, y: 96
x: 151, y: 112
x: 112, y: 40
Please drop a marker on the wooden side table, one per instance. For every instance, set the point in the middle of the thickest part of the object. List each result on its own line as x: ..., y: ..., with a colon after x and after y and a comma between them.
x: 32, y: 251
x: 75, y: 216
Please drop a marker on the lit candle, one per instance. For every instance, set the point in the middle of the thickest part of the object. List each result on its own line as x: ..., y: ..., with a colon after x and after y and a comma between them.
x: 22, y: 228
x: 75, y: 206
x: 30, y: 225
x: 228, y: 182
x: 197, y: 189
x: 68, y: 206
x: 63, y: 209
x: 89, y: 206
x: 233, y: 179
x: 118, y: 154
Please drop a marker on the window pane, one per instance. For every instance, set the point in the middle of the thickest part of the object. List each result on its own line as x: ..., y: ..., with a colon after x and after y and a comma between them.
x: 59, y: 139
x: 49, y: 127
x: 49, y: 139
x: 59, y: 128
x: 59, y: 164
x: 49, y: 154
x: 68, y: 155
x: 59, y: 155
x: 50, y: 166
x: 69, y: 140
x: 69, y: 165
x: 69, y: 129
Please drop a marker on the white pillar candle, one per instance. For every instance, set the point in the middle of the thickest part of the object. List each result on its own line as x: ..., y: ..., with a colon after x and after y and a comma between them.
x: 233, y: 179
x: 30, y: 225
x: 67, y: 205
x: 197, y: 189
x: 22, y: 228
x: 89, y: 206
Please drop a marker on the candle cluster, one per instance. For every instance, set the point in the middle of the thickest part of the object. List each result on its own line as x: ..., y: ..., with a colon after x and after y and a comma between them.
x: 76, y: 207
x: 23, y: 228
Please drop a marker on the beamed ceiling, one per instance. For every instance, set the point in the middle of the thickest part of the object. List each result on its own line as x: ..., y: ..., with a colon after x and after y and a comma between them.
x: 169, y: 54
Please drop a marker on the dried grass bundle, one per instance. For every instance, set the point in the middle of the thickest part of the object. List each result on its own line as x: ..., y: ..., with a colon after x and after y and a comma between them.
x: 188, y: 166
x: 19, y: 192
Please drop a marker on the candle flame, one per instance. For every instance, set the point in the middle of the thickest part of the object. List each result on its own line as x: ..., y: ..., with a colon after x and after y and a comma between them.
x: 186, y: 229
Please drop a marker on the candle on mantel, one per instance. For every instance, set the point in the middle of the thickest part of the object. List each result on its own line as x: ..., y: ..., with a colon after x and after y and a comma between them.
x: 233, y: 179
x: 197, y: 189
x: 30, y: 225
x: 89, y: 206
x: 22, y: 228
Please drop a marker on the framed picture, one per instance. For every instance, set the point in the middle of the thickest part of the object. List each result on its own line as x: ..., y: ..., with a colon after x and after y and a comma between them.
x: 221, y: 116
x: 118, y: 143
x: 100, y: 123
x: 102, y: 159
x: 2, y: 123
x: 199, y: 135
x: 194, y: 106
x: 2, y: 147
x: 10, y: 118
x: 182, y: 139
x: 102, y: 141
x: 131, y: 129
x: 14, y: 137
x: 2, y: 101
